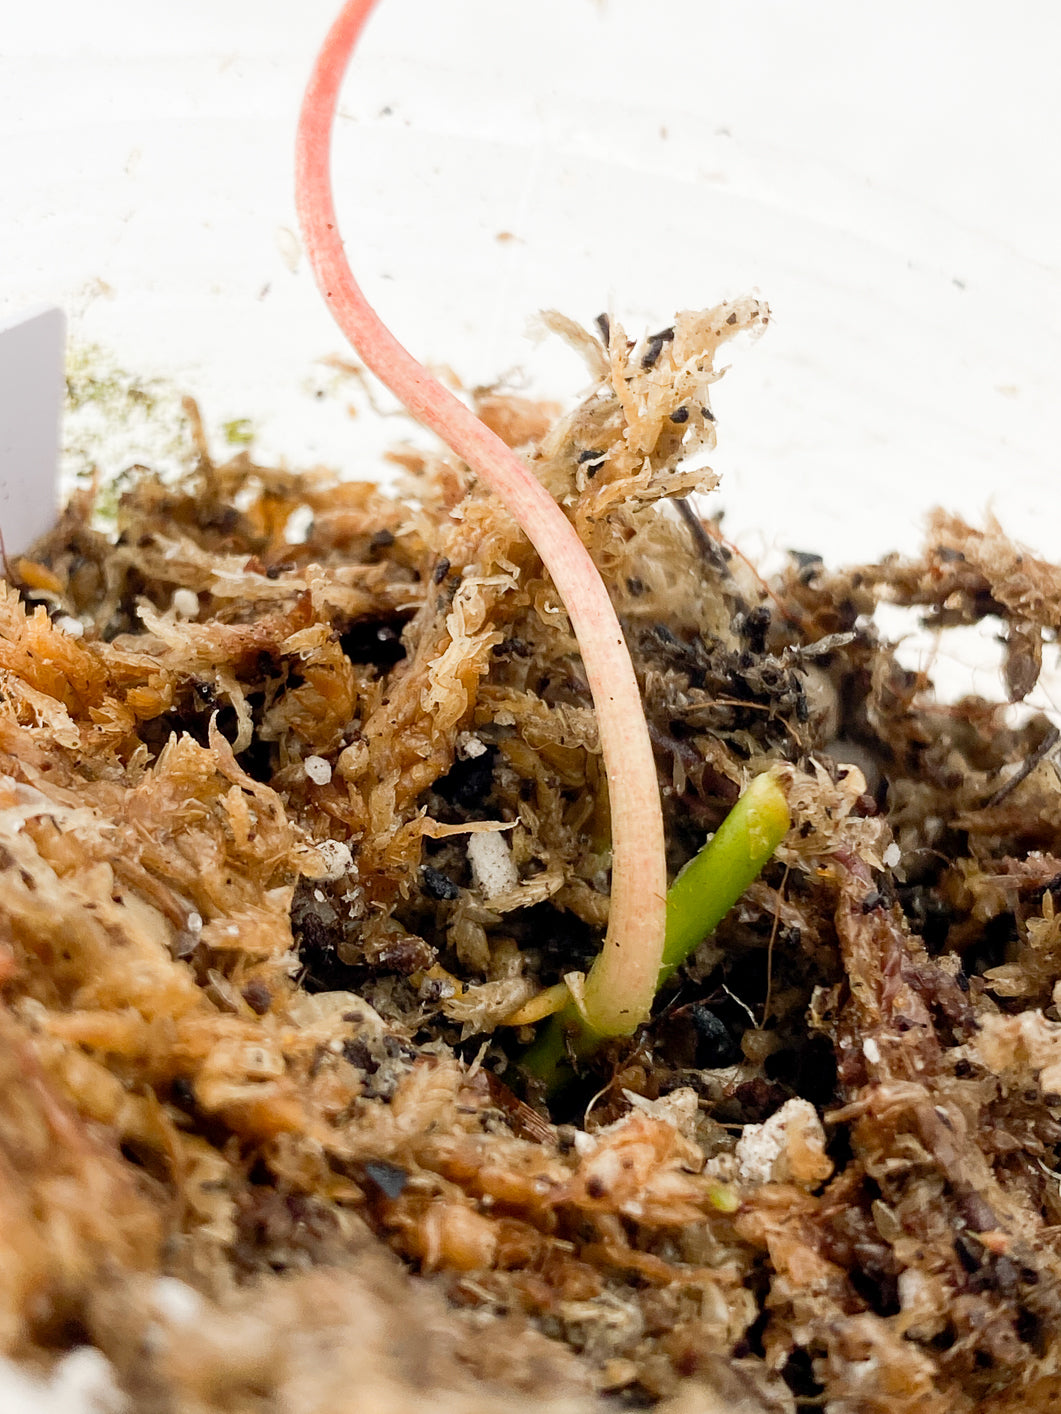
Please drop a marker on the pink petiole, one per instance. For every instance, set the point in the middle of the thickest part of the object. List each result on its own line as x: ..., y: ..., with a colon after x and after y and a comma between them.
x: 621, y: 984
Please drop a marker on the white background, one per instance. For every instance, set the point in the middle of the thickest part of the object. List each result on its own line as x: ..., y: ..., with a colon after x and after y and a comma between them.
x: 886, y: 176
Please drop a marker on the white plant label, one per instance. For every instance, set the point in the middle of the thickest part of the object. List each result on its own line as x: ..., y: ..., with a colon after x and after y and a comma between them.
x: 32, y: 355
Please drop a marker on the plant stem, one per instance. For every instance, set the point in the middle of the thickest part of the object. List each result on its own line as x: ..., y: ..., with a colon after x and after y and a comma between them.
x: 697, y: 901
x: 623, y: 979
x: 713, y: 881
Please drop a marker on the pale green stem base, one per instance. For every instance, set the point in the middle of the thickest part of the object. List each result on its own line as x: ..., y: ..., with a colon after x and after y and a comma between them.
x: 697, y: 901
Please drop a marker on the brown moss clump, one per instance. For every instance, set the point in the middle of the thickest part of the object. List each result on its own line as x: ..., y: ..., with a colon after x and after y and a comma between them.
x: 263, y: 1135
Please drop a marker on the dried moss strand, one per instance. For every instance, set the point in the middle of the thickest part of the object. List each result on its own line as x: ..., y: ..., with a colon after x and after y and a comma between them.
x: 623, y: 980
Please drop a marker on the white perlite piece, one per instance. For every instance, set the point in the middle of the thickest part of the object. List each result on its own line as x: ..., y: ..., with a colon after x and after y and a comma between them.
x: 492, y: 868
x: 336, y: 857
x: 892, y: 855
x: 318, y: 770
x: 788, y: 1148
x: 175, y: 1301
x: 185, y: 603
x: 82, y: 1382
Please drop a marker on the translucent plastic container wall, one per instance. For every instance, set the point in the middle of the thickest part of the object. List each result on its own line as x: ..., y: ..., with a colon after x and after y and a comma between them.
x: 882, y: 176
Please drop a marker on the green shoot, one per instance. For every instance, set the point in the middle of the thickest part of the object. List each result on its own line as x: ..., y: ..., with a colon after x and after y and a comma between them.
x: 712, y: 882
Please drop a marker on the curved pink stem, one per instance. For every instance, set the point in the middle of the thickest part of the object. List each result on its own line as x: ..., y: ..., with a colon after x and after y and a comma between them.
x: 623, y: 980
